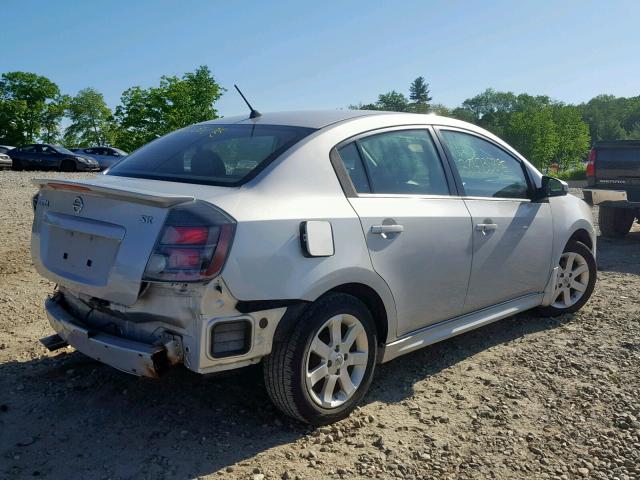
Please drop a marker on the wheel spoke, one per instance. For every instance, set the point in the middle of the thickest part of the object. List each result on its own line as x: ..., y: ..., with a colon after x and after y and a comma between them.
x: 318, y: 374
x: 321, y: 349
x: 345, y: 382
x: 328, y: 388
x: 335, y: 329
x: 566, y: 295
x: 579, y: 270
x: 357, y: 358
x: 352, y: 333
x: 569, y: 264
x: 580, y: 287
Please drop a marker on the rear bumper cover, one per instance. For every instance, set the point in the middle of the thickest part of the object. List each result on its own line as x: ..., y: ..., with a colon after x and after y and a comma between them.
x: 126, y: 355
x: 613, y: 198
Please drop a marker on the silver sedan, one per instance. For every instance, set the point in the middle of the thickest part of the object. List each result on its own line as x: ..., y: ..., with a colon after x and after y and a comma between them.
x: 317, y: 243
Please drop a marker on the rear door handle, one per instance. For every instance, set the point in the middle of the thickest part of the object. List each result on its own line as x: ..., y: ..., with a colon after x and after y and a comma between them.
x: 486, y: 227
x: 385, y: 230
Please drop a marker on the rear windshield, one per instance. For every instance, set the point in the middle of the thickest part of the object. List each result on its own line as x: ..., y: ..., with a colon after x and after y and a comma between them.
x: 210, y: 154
x: 628, y: 154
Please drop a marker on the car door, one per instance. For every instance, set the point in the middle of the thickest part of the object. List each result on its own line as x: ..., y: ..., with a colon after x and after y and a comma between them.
x: 19, y: 157
x: 418, y: 233
x: 49, y: 157
x: 512, y: 237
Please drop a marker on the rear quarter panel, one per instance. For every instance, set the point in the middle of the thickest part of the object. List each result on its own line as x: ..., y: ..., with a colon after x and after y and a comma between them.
x: 266, y: 261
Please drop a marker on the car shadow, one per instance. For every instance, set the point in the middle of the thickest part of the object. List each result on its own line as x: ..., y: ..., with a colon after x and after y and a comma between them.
x: 619, y: 254
x: 67, y: 414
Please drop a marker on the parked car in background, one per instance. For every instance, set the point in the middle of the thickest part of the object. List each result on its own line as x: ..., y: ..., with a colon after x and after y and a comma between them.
x: 5, y: 161
x: 6, y: 148
x: 42, y: 156
x: 320, y: 243
x: 106, y: 156
x: 613, y: 183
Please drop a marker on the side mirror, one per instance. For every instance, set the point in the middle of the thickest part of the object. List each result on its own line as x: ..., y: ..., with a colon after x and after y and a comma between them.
x: 551, y: 187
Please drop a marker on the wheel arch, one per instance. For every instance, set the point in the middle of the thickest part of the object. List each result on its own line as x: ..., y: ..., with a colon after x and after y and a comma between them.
x: 382, y: 314
x: 372, y: 301
x: 581, y: 235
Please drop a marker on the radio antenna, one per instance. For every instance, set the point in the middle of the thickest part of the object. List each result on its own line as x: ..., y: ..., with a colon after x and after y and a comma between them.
x: 254, y: 113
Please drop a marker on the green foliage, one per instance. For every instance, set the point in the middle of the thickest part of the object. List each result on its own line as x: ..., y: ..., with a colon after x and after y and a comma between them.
x: 420, y: 95
x: 145, y: 114
x: 397, y: 102
x: 612, y: 118
x: 391, y: 101
x: 574, y: 140
x: 31, y: 107
x: 91, y: 120
x: 576, y: 173
x: 440, y: 109
x: 533, y: 133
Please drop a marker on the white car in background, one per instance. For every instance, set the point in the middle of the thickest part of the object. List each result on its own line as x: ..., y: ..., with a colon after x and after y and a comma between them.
x: 320, y: 243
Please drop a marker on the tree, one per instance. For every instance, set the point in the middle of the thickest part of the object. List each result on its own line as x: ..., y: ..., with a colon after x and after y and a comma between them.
x: 393, y: 102
x: 145, y: 114
x: 440, y: 109
x: 29, y: 103
x: 91, y: 120
x: 533, y: 133
x: 573, y: 136
x: 419, y: 94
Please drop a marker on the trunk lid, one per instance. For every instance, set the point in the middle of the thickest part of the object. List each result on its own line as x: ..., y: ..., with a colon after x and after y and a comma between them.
x: 95, y: 236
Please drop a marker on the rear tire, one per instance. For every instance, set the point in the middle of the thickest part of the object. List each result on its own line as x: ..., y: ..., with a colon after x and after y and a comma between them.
x: 615, y: 222
x: 577, y: 279
x: 311, y: 374
x: 68, y: 166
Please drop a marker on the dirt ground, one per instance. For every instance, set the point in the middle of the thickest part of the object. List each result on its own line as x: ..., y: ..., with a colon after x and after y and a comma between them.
x: 527, y: 397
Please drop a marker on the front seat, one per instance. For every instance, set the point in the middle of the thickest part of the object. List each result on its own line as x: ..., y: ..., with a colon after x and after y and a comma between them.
x: 206, y: 163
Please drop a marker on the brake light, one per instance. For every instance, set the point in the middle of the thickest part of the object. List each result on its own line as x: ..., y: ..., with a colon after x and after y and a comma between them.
x: 591, y: 163
x: 192, y: 246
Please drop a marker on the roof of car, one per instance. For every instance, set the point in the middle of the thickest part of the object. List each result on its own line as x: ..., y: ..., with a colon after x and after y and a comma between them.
x: 309, y: 119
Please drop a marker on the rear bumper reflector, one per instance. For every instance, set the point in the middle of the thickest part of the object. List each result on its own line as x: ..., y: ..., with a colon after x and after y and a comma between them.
x: 230, y: 338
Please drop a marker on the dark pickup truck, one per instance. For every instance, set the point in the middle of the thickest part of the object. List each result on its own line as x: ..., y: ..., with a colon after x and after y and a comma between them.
x: 613, y: 183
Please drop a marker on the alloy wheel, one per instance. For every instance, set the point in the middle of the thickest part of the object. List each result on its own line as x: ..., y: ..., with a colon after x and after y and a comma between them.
x: 572, y: 281
x: 336, y: 361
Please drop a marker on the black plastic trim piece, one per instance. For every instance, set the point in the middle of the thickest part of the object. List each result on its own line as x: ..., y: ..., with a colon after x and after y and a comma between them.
x: 244, y: 306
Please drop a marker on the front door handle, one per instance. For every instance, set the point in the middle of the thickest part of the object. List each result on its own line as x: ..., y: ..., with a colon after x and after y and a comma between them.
x: 385, y: 230
x: 486, y: 227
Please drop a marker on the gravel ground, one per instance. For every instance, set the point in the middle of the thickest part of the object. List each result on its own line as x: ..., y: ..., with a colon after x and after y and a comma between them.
x: 527, y: 397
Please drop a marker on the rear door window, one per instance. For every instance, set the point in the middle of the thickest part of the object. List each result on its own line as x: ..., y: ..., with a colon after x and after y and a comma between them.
x: 212, y: 154
x: 403, y: 162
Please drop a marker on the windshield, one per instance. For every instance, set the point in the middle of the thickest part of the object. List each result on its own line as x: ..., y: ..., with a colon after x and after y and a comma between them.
x: 61, y: 149
x: 121, y: 152
x: 211, y: 154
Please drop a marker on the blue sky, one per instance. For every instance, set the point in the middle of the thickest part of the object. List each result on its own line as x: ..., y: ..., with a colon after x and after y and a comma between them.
x: 328, y: 54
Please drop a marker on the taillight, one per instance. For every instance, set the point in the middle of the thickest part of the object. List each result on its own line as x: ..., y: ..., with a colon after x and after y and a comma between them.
x: 591, y: 163
x: 192, y: 246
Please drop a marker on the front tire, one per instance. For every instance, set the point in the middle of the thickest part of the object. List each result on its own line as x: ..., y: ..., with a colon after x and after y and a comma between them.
x: 68, y: 166
x: 576, y: 280
x: 16, y: 165
x: 324, y: 366
x: 615, y: 222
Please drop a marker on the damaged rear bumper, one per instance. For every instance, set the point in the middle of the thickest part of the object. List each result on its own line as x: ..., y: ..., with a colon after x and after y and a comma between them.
x: 126, y: 355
